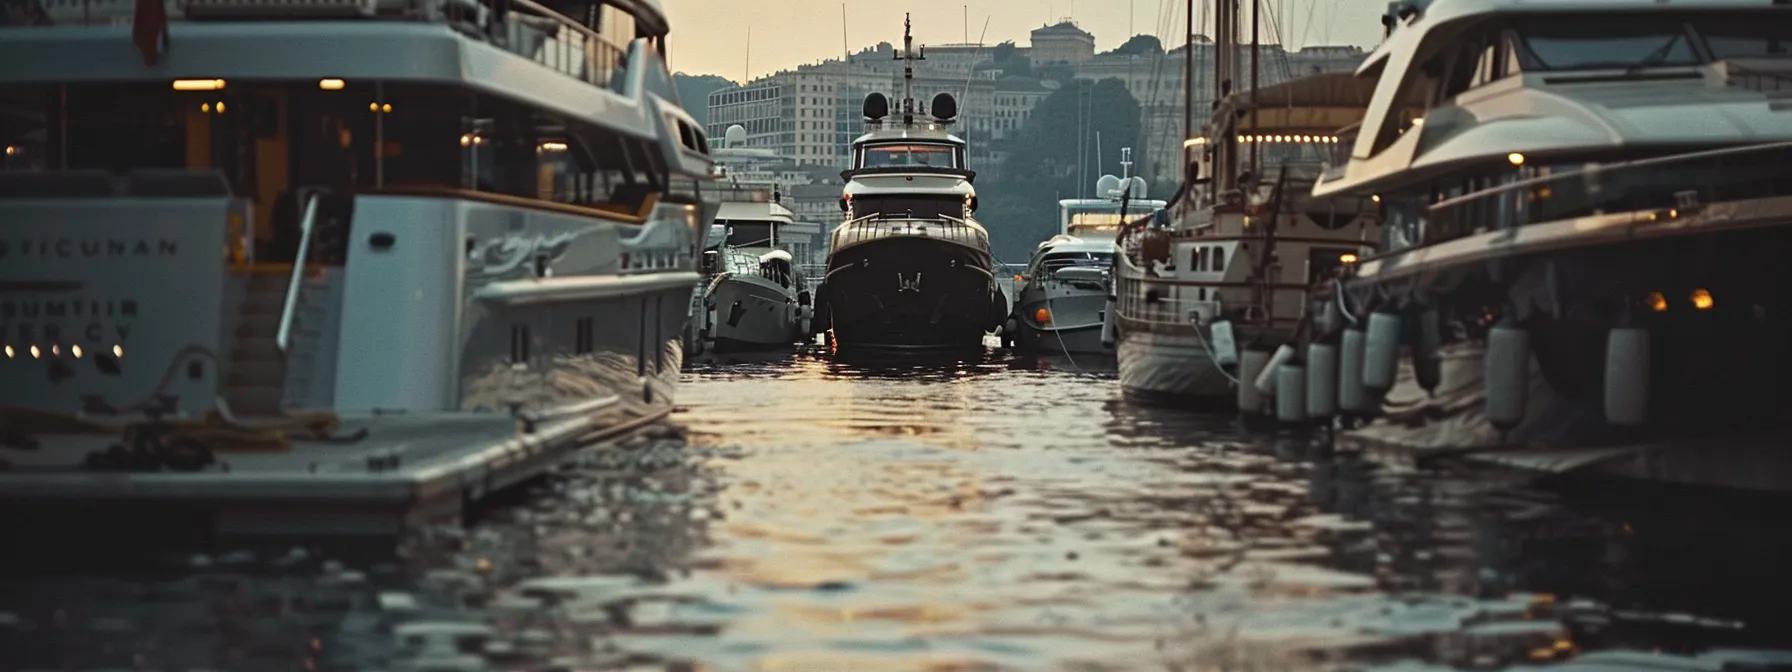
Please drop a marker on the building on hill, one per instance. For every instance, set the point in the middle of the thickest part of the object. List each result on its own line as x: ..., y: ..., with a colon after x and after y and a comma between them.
x: 1062, y: 43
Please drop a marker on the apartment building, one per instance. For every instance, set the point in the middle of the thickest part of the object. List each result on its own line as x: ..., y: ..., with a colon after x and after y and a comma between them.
x: 810, y: 115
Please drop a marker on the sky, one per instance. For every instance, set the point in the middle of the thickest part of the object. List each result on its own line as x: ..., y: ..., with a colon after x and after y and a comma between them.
x: 711, y: 36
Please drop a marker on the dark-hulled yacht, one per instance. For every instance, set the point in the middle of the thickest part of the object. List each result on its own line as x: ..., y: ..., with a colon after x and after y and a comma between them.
x: 909, y: 267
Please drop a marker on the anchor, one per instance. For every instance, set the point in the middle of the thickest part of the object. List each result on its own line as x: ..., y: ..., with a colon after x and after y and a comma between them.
x: 908, y: 286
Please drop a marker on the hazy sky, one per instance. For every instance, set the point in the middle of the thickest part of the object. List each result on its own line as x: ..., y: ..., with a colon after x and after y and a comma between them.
x: 710, y: 36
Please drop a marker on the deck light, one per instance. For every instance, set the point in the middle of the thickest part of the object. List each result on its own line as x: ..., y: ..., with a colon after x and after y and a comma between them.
x: 1375, y: 197
x: 1656, y: 301
x: 1347, y: 258
x: 1042, y: 316
x: 331, y: 84
x: 1515, y: 158
x: 9, y: 352
x: 198, y: 84
x: 117, y: 351
x: 75, y: 350
x: 35, y: 353
x: 1701, y: 299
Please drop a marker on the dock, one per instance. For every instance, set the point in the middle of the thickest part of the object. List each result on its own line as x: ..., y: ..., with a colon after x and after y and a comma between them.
x: 409, y: 470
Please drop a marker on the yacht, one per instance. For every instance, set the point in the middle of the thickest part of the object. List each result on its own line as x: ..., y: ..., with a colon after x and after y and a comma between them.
x: 1207, y: 289
x: 1063, y: 301
x: 1583, y: 236
x: 336, y: 266
x: 754, y: 298
x: 910, y: 267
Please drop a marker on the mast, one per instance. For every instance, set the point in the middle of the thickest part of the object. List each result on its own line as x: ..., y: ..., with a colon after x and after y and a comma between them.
x: 908, y: 57
x: 1256, y: 147
x: 1225, y: 71
x: 1188, y: 91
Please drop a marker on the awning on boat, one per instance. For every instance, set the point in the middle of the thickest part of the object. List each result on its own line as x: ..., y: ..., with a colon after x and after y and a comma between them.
x: 1321, y: 103
x: 775, y: 255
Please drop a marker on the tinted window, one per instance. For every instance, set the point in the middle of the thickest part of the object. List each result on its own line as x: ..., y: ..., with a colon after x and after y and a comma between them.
x: 938, y: 156
x: 1559, y: 44
x: 1746, y: 38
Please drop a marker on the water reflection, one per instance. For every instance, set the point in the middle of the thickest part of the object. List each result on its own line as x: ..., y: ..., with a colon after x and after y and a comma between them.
x: 979, y: 513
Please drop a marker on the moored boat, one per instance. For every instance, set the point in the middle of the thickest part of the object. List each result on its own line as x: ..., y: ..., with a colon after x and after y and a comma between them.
x: 1581, y: 263
x: 910, y: 267
x: 1207, y: 289
x: 1064, y: 299
x: 336, y: 267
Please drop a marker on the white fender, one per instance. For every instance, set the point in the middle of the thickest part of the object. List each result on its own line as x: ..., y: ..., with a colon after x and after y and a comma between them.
x: 1381, y: 352
x: 1291, y: 379
x: 1507, y: 378
x: 1266, y: 379
x: 1627, y: 376
x: 1322, y: 380
x: 1249, y: 366
x: 1110, y: 326
x: 1352, y: 396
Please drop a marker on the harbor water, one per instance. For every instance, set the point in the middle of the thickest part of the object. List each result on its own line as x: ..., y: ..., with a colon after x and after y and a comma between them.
x: 801, y: 513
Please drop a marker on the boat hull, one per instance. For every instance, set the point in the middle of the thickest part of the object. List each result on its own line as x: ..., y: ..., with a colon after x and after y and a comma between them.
x: 911, y: 292
x: 1171, y: 367
x: 1073, y: 324
x: 751, y: 313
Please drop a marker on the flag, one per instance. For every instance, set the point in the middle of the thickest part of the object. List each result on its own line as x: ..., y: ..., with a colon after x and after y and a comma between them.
x: 149, y: 30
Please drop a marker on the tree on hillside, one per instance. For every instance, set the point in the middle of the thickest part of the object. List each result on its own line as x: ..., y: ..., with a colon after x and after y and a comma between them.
x: 1019, y: 205
x: 693, y: 93
x: 1140, y: 44
x: 1010, y: 60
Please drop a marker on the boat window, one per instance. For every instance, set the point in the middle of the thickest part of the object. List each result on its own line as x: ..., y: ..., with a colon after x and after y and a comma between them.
x: 1218, y: 262
x: 937, y: 156
x: 1557, y: 44
x: 1746, y: 37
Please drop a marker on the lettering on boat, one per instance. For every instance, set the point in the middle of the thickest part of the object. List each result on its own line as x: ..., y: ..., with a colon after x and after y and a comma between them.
x: 67, y: 320
x: 87, y: 248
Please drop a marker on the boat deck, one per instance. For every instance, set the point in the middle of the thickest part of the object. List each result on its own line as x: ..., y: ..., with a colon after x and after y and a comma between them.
x: 408, y: 470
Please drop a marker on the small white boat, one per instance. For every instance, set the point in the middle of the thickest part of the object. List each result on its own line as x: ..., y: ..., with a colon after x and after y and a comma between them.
x: 755, y: 299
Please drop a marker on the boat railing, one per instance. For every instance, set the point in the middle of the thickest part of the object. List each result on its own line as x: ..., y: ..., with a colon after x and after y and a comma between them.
x: 290, y: 305
x: 526, y: 28
x: 1776, y: 82
x: 1657, y: 187
x: 879, y: 225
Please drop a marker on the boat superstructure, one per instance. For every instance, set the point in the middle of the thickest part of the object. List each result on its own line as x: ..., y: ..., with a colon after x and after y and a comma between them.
x: 1586, y: 205
x: 1206, y: 287
x: 1063, y: 300
x: 752, y: 294
x: 755, y: 298
x: 468, y: 229
x: 910, y: 267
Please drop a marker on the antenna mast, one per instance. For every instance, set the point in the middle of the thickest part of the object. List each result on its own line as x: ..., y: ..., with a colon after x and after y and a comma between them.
x: 908, y: 57
x: 1125, y: 163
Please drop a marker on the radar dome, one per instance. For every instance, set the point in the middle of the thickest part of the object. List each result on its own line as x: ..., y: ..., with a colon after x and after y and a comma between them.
x: 1107, y: 186
x: 876, y: 106
x: 1137, y: 184
x: 735, y: 136
x: 944, y: 107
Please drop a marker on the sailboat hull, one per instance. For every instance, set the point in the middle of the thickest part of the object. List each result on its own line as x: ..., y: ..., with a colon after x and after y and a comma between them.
x: 912, y: 292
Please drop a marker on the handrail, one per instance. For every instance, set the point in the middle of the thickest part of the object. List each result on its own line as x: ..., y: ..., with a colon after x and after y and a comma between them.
x: 283, y: 337
x: 1602, y: 168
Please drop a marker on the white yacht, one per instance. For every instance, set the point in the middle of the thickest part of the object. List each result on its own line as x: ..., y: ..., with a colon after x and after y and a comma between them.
x: 1587, y: 205
x: 338, y: 265
x: 753, y: 298
x: 910, y: 268
x: 1207, y: 288
x: 1063, y: 302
